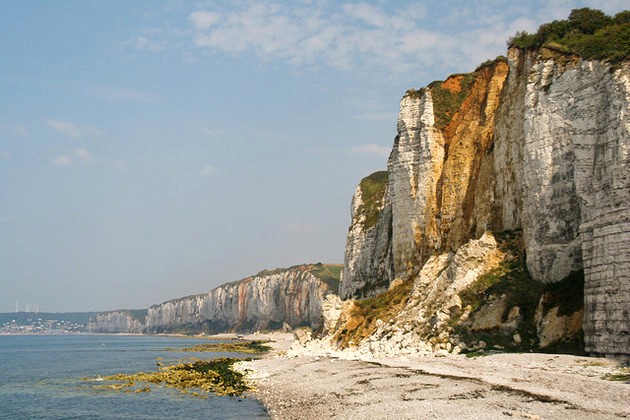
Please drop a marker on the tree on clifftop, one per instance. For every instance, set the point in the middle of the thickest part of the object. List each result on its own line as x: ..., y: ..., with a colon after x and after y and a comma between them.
x: 588, y: 32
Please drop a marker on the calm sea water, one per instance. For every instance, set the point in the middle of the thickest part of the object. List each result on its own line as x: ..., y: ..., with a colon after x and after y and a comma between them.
x: 43, y: 377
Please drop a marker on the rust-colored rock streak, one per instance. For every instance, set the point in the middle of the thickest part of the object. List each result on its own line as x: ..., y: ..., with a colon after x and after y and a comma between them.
x: 467, y: 180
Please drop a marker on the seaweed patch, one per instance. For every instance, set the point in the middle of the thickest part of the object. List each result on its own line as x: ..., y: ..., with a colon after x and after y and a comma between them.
x: 198, y: 377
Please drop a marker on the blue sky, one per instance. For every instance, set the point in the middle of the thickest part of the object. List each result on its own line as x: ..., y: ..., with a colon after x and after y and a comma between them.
x: 155, y: 149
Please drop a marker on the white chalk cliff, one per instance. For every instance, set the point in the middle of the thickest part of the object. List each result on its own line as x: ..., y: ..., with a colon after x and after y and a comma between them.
x: 538, y: 143
x: 267, y: 300
x: 271, y: 299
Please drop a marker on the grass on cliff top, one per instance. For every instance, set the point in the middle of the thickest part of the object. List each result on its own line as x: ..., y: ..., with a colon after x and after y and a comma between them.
x: 200, y: 377
x: 446, y: 102
x: 366, y: 312
x: 372, y: 194
x: 329, y: 274
x: 588, y: 32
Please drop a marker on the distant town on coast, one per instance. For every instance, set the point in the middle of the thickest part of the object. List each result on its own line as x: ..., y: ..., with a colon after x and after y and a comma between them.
x: 43, y: 323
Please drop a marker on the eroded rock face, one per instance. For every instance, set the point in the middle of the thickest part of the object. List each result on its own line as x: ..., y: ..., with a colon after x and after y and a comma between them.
x: 121, y: 321
x: 540, y: 143
x: 423, y: 325
x: 368, y: 253
x: 274, y: 299
x: 440, y: 181
x: 265, y: 301
x: 576, y: 184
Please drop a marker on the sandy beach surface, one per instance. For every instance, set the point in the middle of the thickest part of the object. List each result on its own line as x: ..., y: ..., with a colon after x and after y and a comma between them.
x: 296, y: 383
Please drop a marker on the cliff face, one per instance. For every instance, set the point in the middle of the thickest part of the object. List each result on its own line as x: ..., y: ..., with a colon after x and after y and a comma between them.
x: 575, y: 148
x: 368, y: 266
x: 440, y: 182
x: 441, y: 167
x: 272, y: 299
x: 540, y: 143
x: 122, y: 321
x: 267, y: 300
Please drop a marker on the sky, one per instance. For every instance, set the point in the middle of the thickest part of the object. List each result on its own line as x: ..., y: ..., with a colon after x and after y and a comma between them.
x: 156, y: 149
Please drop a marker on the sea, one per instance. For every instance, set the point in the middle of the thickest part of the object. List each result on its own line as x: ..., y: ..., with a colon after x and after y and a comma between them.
x: 52, y: 377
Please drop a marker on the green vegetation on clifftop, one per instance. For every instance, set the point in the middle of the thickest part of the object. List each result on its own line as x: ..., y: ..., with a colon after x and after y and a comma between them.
x: 588, y: 32
x: 329, y: 274
x: 446, y: 102
x: 372, y: 194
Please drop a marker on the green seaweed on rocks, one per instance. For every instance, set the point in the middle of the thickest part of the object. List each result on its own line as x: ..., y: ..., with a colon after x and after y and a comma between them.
x: 622, y: 375
x: 249, y: 347
x: 198, y: 377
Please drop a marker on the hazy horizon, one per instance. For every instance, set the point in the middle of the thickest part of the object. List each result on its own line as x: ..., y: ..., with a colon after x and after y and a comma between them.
x: 152, y: 150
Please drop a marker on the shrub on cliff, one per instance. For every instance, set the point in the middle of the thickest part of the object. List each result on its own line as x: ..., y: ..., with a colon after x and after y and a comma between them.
x: 588, y: 32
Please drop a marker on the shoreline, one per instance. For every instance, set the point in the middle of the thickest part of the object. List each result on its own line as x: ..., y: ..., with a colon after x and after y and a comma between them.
x: 315, y: 383
x: 311, y: 381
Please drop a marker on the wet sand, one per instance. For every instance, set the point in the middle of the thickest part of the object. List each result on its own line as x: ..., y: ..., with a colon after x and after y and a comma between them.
x: 317, y: 383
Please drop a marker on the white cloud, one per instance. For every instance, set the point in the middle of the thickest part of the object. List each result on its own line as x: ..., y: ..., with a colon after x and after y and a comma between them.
x: 367, y: 13
x: 372, y: 149
x: 84, y: 156
x: 73, y: 130
x: 142, y: 43
x: 207, y: 170
x: 62, y: 160
x: 344, y: 37
x: 203, y: 20
x: 64, y: 127
x: 376, y: 38
x: 21, y: 131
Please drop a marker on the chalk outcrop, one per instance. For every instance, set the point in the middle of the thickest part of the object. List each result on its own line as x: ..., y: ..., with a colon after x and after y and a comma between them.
x: 268, y: 300
x: 368, y: 268
x: 120, y: 321
x: 537, y: 143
